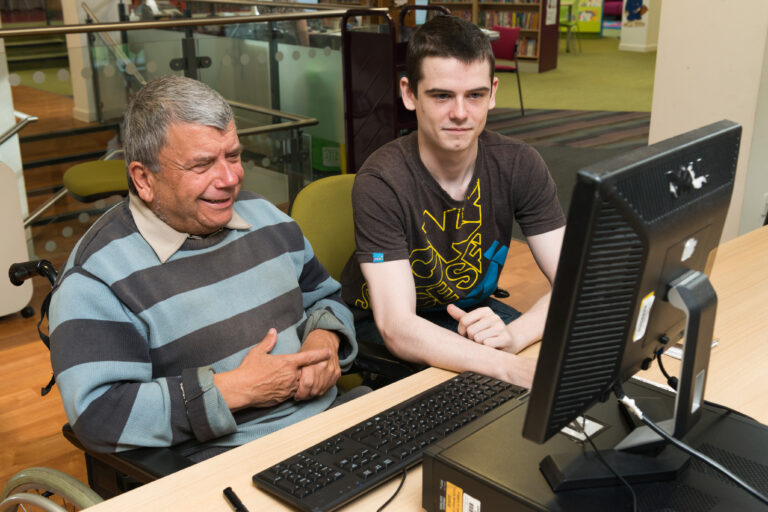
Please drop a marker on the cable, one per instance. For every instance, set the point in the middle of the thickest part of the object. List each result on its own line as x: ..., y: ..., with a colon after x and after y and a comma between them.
x: 634, y: 409
x: 610, y: 468
x: 402, y: 481
x: 671, y: 381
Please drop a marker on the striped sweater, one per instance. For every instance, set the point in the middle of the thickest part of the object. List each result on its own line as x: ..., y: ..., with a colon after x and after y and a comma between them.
x: 135, y: 342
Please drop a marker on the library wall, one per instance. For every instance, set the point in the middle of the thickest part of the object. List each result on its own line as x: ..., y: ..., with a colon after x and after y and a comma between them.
x: 707, y: 70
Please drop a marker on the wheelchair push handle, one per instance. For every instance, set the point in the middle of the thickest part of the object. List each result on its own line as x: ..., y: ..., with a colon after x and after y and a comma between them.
x: 20, y: 272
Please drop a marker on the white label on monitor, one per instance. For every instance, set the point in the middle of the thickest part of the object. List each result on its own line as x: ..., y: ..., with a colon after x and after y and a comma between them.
x: 471, y: 504
x: 642, y: 318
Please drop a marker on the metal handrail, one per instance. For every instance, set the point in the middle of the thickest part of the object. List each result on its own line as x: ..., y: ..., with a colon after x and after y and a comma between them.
x: 268, y: 111
x: 179, y: 22
x: 290, y: 5
x: 114, y: 48
x: 13, y: 130
x: 297, y: 121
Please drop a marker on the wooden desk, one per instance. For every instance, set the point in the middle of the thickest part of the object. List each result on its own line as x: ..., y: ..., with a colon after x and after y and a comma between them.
x: 740, y: 277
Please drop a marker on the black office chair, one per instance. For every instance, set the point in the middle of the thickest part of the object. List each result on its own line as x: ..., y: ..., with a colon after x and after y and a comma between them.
x: 109, y: 474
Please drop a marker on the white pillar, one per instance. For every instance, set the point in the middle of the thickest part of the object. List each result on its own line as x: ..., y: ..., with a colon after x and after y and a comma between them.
x: 13, y: 200
x: 711, y: 65
x: 10, y: 153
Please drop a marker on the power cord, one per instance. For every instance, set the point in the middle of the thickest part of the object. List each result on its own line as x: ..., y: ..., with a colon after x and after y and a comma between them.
x: 634, y: 409
x: 671, y: 381
x: 607, y: 465
x: 402, y: 481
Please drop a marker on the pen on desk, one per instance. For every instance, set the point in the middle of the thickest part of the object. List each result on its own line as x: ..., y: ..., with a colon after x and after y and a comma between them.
x: 234, y: 500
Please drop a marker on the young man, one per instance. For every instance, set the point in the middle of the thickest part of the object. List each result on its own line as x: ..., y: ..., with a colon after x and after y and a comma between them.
x: 193, y: 315
x: 434, y: 212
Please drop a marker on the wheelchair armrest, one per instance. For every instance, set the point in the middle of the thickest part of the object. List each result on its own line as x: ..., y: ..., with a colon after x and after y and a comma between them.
x: 375, y: 358
x: 142, y: 464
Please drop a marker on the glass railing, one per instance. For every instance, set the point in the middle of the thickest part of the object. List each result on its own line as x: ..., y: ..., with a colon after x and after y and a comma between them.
x: 282, y: 71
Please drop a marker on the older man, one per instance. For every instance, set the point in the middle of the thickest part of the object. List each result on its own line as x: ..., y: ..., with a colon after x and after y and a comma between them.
x: 193, y: 315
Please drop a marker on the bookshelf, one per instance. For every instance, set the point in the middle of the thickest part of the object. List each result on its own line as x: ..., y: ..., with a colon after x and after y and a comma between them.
x: 537, y: 48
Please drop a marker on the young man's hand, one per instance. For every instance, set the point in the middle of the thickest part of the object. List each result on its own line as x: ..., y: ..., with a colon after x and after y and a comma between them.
x: 483, y: 326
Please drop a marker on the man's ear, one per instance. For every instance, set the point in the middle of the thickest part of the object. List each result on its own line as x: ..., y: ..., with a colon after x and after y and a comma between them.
x: 409, y: 98
x: 494, y: 87
x: 143, y: 179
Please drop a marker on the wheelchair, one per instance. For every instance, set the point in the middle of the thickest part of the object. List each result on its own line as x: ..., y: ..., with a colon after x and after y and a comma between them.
x: 46, y: 489
x: 109, y: 474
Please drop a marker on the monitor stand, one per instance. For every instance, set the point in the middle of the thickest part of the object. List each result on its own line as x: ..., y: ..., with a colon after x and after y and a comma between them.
x: 642, y: 456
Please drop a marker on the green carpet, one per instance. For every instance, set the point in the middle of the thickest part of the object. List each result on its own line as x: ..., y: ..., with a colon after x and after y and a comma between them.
x: 599, y: 78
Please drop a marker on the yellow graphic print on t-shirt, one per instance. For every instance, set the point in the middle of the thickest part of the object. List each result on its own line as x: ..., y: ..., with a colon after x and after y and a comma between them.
x: 452, y: 260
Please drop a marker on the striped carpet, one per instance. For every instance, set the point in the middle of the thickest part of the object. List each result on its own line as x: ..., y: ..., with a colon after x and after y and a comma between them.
x: 574, y: 128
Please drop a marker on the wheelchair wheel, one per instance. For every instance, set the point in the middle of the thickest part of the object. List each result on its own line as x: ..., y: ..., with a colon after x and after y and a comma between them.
x: 46, y: 489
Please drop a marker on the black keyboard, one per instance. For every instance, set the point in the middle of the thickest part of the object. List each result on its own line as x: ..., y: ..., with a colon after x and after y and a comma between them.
x: 345, y: 465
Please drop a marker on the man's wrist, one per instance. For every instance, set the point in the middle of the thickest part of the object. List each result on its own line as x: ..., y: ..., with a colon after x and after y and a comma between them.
x: 323, y: 337
x: 228, y: 385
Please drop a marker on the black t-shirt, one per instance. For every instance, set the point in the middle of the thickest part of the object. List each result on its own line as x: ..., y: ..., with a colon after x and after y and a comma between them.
x: 456, y: 249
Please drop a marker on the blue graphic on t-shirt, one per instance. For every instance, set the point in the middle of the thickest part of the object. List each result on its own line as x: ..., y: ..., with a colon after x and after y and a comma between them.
x: 378, y: 257
x: 497, y: 255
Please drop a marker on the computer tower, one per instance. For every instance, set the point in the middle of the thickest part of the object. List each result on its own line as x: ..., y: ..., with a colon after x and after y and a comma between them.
x: 488, y: 466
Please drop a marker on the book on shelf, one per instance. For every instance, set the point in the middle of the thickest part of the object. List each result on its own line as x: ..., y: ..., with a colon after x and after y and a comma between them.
x: 538, y: 40
x: 526, y: 21
x: 527, y: 47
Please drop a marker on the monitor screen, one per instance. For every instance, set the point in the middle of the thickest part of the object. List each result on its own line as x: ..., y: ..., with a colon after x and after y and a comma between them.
x: 637, y: 224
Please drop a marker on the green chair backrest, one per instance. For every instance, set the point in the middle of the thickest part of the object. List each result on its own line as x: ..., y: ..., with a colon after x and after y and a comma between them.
x: 97, y: 179
x: 323, y: 211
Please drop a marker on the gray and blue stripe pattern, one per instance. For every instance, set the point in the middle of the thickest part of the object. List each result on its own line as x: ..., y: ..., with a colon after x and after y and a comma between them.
x: 133, y: 341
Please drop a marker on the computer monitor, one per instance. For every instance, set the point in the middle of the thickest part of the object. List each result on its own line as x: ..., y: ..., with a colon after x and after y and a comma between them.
x: 631, y: 277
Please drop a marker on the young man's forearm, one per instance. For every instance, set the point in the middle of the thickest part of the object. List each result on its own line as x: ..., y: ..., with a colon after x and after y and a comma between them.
x: 418, y: 340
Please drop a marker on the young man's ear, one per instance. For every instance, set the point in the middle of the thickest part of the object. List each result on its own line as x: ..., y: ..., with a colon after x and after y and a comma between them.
x: 494, y: 86
x: 409, y: 97
x: 143, y: 179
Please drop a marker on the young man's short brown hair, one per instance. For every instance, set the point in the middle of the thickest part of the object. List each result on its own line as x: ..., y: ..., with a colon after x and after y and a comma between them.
x: 446, y: 36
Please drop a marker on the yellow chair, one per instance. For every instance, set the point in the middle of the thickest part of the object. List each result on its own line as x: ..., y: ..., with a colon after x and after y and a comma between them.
x: 97, y: 179
x: 323, y: 211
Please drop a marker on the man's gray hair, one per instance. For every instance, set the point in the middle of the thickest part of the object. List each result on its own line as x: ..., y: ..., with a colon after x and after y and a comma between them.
x: 161, y: 102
